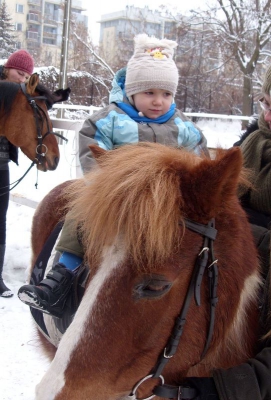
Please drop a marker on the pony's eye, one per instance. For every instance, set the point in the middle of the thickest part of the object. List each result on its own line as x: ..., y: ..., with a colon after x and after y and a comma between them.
x: 151, y: 288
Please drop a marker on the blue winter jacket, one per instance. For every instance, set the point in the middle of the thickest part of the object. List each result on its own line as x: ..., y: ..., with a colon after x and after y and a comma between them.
x: 119, y: 124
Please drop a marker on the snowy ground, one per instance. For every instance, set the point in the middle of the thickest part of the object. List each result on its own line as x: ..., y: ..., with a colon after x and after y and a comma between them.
x: 22, y: 363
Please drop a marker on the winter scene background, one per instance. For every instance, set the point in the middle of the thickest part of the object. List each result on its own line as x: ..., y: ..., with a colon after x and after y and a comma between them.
x: 23, y: 363
x: 219, y: 73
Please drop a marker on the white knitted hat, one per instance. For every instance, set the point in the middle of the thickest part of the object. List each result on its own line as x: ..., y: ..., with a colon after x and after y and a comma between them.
x: 151, y: 66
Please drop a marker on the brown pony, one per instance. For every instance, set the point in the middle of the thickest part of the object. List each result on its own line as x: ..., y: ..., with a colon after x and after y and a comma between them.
x: 25, y: 122
x: 146, y: 217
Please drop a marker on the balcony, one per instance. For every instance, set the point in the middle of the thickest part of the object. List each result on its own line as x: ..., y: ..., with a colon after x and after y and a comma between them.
x: 36, y: 2
x: 34, y: 9
x: 33, y: 17
x: 49, y: 35
x: 48, y: 19
x: 33, y: 35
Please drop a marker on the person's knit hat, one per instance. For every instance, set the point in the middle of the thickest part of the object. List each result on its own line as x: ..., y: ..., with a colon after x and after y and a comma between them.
x: 22, y: 61
x: 266, y: 88
x: 151, y: 66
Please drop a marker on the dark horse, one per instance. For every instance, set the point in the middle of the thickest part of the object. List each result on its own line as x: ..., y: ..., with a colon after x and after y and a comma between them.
x: 25, y: 122
x: 174, y: 276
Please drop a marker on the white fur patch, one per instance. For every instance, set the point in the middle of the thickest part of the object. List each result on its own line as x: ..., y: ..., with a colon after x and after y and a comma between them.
x: 248, y: 296
x: 54, y: 379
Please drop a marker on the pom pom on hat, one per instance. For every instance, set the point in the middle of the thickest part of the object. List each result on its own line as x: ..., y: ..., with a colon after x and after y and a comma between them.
x: 22, y: 61
x: 151, y: 66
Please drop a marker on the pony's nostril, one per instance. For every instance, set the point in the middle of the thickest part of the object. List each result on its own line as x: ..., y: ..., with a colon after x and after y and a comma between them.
x: 56, y: 161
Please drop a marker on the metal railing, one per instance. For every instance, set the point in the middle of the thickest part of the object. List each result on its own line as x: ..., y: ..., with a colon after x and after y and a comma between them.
x: 91, y: 109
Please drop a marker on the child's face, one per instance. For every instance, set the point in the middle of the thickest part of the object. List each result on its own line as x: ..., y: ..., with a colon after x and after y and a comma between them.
x: 153, y: 102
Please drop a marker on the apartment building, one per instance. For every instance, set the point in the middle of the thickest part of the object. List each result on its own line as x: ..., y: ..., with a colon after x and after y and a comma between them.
x: 118, y: 29
x: 39, y: 26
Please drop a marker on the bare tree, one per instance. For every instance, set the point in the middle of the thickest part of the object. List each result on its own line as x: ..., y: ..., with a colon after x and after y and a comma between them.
x: 241, y: 29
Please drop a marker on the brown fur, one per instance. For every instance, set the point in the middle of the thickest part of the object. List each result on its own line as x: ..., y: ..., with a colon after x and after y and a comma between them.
x: 137, y: 198
x: 17, y: 122
x: 144, y: 203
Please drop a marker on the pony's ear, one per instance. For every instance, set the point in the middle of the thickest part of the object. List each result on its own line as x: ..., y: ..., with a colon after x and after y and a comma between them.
x: 97, y: 151
x: 214, y: 183
x: 32, y: 83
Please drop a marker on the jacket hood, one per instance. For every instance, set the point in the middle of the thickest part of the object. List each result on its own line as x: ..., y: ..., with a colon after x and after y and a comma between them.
x: 117, y: 94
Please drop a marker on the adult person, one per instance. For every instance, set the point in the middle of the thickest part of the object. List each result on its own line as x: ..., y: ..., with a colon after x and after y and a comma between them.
x: 141, y: 108
x: 18, y: 69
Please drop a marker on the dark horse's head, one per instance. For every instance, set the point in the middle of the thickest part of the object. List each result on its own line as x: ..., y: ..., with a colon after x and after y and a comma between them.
x: 25, y: 122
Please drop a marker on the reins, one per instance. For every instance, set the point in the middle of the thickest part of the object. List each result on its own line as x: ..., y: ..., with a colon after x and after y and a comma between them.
x: 205, y: 261
x: 41, y: 149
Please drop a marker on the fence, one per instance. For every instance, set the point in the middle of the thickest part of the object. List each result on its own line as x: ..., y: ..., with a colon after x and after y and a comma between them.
x: 91, y: 109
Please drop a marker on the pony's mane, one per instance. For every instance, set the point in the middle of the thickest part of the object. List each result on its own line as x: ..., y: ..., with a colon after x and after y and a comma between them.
x: 8, y: 92
x: 135, y: 193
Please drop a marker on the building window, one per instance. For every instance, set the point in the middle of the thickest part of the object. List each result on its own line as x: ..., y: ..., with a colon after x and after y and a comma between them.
x: 19, y: 27
x: 32, y: 35
x: 18, y: 45
x: 49, y: 41
x: 19, y: 8
x: 33, y: 17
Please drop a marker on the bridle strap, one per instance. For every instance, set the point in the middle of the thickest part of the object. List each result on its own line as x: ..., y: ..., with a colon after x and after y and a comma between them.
x: 204, y: 260
x: 208, y: 231
x: 38, y: 112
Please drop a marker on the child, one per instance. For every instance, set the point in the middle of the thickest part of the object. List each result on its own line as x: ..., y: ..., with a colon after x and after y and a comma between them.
x: 141, y: 109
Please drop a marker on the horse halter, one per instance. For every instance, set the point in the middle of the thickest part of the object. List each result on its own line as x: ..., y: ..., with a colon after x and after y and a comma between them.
x: 39, y: 113
x: 205, y: 261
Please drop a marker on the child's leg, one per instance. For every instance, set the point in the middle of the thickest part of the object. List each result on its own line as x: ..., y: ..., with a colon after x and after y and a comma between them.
x: 51, y: 294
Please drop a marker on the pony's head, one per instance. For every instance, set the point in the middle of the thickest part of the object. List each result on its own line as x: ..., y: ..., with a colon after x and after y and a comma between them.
x: 25, y: 122
x: 132, y: 213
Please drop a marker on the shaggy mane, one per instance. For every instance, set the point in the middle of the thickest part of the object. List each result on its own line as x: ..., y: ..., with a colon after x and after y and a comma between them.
x: 9, y: 91
x: 133, y: 195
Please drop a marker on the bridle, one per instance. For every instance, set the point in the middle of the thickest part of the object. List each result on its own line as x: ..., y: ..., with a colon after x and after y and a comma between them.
x: 40, y: 116
x: 205, y: 262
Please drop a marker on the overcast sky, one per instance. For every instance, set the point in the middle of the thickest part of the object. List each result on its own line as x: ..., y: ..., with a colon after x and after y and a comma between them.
x: 104, y: 6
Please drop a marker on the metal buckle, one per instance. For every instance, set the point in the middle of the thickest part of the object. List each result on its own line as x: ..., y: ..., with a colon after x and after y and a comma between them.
x: 132, y: 396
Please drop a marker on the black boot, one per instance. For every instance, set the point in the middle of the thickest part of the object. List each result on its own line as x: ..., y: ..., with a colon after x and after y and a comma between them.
x: 52, y: 292
x: 4, y: 290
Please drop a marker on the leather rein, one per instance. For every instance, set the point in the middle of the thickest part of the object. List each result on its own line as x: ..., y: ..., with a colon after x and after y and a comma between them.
x: 205, y: 262
x: 39, y: 115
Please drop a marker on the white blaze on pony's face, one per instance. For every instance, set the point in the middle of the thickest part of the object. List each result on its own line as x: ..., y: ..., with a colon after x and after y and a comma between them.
x: 54, y: 380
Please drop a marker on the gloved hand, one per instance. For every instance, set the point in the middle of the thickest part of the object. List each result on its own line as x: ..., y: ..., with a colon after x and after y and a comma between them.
x: 205, y: 387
